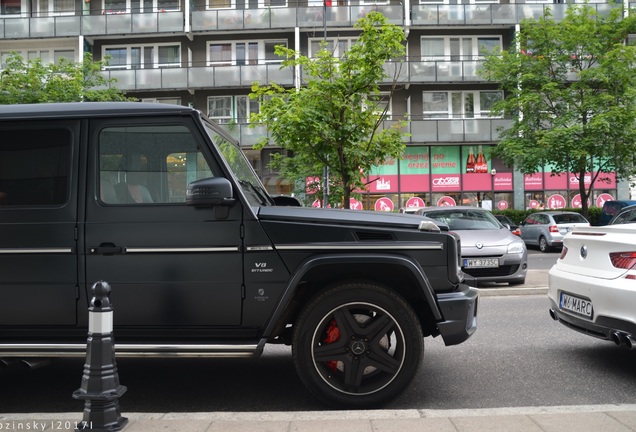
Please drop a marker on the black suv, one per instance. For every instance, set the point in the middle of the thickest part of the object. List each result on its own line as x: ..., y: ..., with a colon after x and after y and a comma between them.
x: 163, y: 205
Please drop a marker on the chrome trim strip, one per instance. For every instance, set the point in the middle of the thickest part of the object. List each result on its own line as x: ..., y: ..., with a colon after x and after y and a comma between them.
x: 36, y: 250
x: 387, y: 246
x: 185, y: 250
x: 128, y: 350
x: 259, y: 248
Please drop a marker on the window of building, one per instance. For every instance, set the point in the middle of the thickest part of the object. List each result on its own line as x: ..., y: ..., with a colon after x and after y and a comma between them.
x: 380, y: 104
x: 457, y: 48
x: 35, y: 167
x: 143, y: 56
x: 237, y: 53
x: 10, y: 7
x: 55, y: 7
x: 47, y: 56
x: 164, y: 100
x: 338, y: 46
x: 224, y: 109
x: 459, y: 104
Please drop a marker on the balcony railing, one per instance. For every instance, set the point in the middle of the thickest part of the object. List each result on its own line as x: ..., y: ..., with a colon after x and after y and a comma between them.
x: 19, y: 26
x: 438, y: 130
x: 198, y: 77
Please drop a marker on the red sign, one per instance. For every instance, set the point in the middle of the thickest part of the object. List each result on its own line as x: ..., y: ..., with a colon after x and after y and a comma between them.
x: 354, y: 204
x: 384, y: 184
x: 533, y: 204
x: 556, y: 201
x: 502, y: 205
x: 600, y: 200
x: 415, y: 202
x: 533, y: 181
x: 577, y: 202
x: 446, y: 201
x: 384, y: 204
x: 446, y: 182
x: 503, y: 181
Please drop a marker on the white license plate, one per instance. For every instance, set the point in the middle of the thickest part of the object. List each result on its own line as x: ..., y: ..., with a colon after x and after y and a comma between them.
x: 576, y: 305
x: 481, y: 262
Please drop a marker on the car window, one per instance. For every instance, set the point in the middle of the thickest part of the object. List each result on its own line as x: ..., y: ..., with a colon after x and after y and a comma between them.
x: 569, y: 218
x: 465, y: 219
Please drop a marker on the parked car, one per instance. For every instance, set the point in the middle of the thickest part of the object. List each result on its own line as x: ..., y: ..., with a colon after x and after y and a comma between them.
x: 627, y: 215
x: 591, y: 286
x: 546, y: 229
x: 507, y: 222
x: 612, y: 208
x: 489, y: 251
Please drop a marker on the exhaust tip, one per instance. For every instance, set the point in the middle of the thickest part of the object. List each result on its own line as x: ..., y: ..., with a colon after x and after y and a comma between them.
x: 553, y: 314
x: 616, y: 338
x: 630, y: 341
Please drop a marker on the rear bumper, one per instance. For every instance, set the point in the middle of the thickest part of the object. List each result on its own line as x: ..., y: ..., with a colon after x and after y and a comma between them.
x: 459, y: 310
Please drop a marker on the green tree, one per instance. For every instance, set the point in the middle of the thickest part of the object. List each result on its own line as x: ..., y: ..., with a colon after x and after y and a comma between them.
x: 335, y: 118
x: 570, y: 89
x: 35, y: 82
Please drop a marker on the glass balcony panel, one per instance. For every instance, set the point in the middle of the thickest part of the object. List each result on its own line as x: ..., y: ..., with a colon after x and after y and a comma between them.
x: 250, y: 136
x: 205, y: 20
x: 121, y: 23
x: 42, y: 27
x: 477, y: 129
x: 422, y: 71
x: 395, y: 71
x: 504, y: 14
x: 532, y: 11
x: 478, y: 14
x: 174, y: 78
x: 471, y: 71
x: 339, y: 16
x: 496, y: 125
x: 310, y: 16
x: 148, y: 79
x: 228, y: 75
x: 451, y: 14
x: 449, y: 71
x: 170, y: 22
x: 283, y: 17
x: 67, y: 26
x: 200, y: 77
x: 144, y: 23
x: 425, y: 14
x: 451, y: 130
x: 230, y: 19
x: 257, y: 18
x: 423, y: 130
x: 280, y: 76
x: 94, y: 25
x: 16, y: 28
x: 125, y: 79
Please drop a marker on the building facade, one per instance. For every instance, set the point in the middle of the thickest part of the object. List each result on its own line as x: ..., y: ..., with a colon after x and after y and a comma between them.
x: 207, y: 54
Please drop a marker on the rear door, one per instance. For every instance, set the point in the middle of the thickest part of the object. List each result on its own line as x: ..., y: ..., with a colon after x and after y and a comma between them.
x: 38, y: 211
x: 175, y: 270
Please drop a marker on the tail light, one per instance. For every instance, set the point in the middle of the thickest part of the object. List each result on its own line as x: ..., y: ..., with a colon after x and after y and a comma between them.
x: 564, y: 252
x: 554, y: 228
x: 517, y: 232
x: 623, y: 260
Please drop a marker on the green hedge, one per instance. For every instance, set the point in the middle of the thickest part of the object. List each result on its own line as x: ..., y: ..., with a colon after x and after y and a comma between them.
x: 593, y: 214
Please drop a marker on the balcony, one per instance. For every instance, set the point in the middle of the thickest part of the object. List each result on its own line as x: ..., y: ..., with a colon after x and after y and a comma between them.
x: 19, y: 26
x: 422, y: 131
x: 193, y: 78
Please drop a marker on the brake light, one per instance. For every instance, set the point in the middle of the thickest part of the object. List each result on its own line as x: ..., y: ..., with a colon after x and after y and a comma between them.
x: 624, y: 260
x: 517, y: 232
x: 554, y: 228
x: 564, y: 252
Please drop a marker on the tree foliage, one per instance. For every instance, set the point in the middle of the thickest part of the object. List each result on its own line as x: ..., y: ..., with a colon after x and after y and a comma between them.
x: 333, y: 119
x: 570, y: 88
x: 35, y: 82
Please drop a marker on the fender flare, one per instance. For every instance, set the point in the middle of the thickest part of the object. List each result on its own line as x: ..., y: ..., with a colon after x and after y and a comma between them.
x: 325, y: 260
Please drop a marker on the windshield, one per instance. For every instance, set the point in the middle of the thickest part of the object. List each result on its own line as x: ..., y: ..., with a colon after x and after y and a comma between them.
x: 469, y: 219
x: 243, y: 172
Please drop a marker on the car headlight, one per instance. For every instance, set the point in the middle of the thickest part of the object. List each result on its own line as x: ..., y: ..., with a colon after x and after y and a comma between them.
x: 516, y: 247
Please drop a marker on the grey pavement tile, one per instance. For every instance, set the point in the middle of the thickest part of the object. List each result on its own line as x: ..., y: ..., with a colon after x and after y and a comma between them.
x: 167, y: 426
x: 579, y: 422
x: 331, y: 426
x: 249, y: 426
x: 410, y: 425
x: 495, y: 423
x: 628, y: 418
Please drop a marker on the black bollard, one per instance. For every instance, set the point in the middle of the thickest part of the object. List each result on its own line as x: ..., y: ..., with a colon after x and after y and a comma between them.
x: 100, y: 387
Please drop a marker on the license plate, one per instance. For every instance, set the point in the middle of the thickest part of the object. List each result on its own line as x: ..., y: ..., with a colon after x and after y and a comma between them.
x: 481, y: 262
x: 576, y: 305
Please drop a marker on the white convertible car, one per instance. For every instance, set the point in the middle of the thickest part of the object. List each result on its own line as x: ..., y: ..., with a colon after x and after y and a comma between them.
x: 592, y: 286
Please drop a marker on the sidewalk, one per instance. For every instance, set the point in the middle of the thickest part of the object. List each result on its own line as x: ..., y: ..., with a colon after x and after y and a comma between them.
x: 598, y: 418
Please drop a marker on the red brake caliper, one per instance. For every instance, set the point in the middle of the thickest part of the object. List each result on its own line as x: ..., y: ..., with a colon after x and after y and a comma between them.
x: 333, y: 335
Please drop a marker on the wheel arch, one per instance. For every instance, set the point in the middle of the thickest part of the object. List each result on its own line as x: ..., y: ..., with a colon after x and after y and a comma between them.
x: 321, y: 272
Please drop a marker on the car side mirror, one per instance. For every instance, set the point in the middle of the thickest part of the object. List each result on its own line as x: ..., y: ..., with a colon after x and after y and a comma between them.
x: 210, y: 192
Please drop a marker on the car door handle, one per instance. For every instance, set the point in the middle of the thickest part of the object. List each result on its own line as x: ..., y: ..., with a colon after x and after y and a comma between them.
x: 107, y: 249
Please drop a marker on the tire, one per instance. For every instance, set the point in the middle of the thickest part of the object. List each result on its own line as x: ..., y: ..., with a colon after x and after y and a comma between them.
x: 357, y: 345
x: 543, y: 245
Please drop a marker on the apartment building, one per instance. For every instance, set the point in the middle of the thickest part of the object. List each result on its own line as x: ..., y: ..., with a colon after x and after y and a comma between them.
x: 207, y: 54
